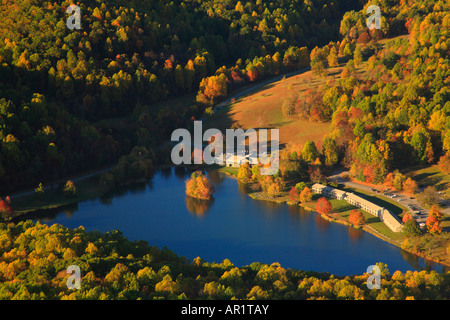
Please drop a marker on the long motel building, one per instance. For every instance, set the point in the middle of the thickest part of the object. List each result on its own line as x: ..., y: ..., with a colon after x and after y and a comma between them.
x: 385, y: 215
x: 364, y: 204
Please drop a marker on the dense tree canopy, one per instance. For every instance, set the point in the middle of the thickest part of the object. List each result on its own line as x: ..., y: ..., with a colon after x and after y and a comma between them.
x: 57, y: 83
x: 199, y: 186
x: 35, y: 258
x: 395, y: 112
x: 73, y: 100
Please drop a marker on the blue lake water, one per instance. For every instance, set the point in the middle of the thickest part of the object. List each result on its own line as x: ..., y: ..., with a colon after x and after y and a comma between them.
x: 233, y: 226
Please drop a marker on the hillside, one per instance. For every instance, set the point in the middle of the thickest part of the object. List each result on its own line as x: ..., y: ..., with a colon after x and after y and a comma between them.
x: 57, y: 84
x: 263, y: 110
x: 263, y: 107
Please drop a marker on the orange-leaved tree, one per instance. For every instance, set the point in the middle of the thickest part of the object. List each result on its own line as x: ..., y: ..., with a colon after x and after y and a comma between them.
x: 407, y: 216
x: 434, y: 220
x: 199, y: 186
x: 410, y: 186
x: 356, y: 218
x: 305, y: 195
x: 389, y: 180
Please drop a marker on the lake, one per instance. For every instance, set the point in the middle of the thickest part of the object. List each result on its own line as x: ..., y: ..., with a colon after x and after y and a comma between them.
x: 232, y: 226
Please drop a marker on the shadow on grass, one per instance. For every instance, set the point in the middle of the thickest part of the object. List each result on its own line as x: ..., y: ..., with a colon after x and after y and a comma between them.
x: 424, y: 176
x: 372, y: 219
x: 344, y: 208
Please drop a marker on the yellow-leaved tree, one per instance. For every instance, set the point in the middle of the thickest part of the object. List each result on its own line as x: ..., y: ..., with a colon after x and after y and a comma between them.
x: 199, y: 186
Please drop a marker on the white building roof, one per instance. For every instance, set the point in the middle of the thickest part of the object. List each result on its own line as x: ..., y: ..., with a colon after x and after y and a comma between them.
x: 363, y: 202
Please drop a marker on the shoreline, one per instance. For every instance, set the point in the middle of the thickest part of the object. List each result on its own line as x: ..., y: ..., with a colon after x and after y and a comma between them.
x: 254, y: 196
x: 83, y: 176
x: 100, y: 190
x: 366, y: 227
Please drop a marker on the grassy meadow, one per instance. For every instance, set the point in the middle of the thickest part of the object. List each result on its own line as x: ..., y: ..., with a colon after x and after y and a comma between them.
x: 262, y: 109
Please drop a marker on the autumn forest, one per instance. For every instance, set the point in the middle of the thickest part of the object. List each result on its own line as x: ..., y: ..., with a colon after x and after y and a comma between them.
x: 75, y: 101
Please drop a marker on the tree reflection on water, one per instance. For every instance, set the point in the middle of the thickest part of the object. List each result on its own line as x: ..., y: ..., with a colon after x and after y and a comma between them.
x: 198, y: 207
x: 355, y: 234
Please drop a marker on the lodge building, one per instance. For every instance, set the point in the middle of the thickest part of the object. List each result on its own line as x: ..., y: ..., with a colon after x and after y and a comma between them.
x: 391, y: 221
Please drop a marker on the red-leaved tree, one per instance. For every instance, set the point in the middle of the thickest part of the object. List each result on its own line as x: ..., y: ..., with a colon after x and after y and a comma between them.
x: 323, y: 206
x: 5, y: 208
x: 294, y: 195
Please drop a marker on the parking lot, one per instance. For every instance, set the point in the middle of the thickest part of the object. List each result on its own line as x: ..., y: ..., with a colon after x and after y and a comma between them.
x: 416, y: 210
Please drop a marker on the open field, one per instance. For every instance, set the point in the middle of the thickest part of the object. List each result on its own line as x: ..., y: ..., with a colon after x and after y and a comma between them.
x: 262, y: 109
